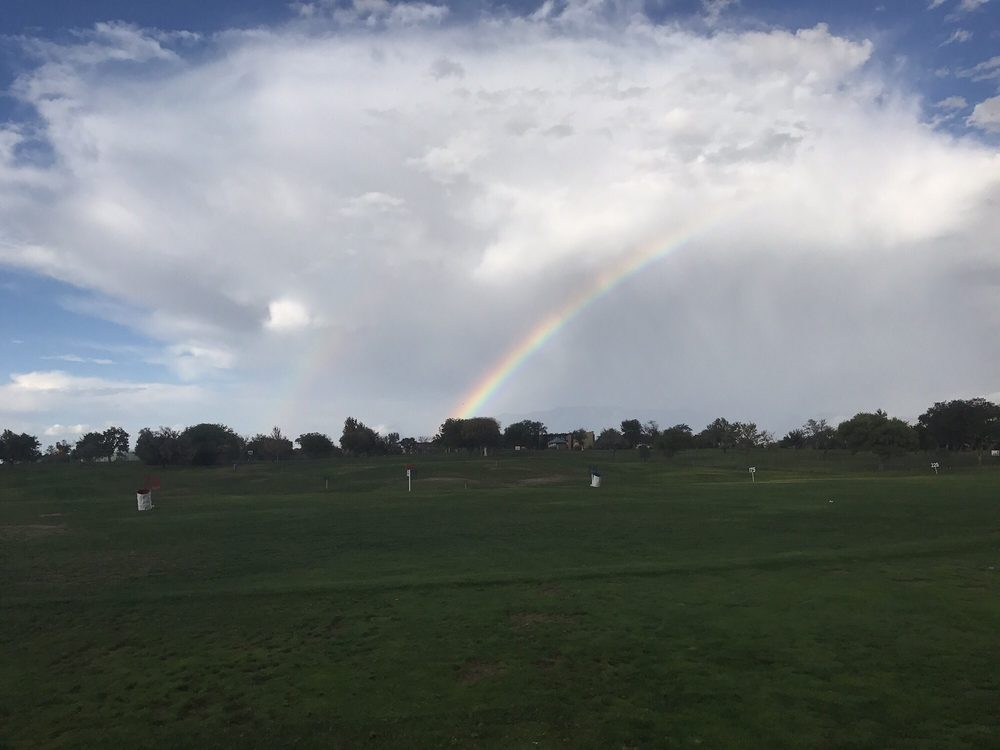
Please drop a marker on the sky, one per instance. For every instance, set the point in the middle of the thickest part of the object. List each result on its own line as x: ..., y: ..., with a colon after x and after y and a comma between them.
x: 282, y: 214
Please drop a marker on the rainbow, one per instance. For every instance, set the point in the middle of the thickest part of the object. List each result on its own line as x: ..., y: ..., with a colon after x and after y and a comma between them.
x: 474, y: 400
x: 298, y: 381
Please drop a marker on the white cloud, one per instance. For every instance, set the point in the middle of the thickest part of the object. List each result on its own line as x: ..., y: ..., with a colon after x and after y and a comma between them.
x: 986, y: 115
x: 108, y: 42
x: 952, y: 102
x: 970, y: 5
x: 373, y: 203
x: 193, y: 361
x: 83, y: 360
x: 411, y: 205
x: 935, y: 4
x: 715, y: 8
x: 49, y: 381
x: 59, y: 430
x: 374, y: 12
x: 959, y: 36
x: 56, y: 403
x: 984, y: 71
x: 286, y: 315
x: 29, y: 390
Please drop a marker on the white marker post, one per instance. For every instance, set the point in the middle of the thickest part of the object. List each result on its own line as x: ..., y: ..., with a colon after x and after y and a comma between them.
x: 409, y: 480
x: 753, y: 475
x: 935, y: 466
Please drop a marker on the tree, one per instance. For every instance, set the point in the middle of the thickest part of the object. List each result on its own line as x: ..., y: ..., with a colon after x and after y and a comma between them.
x: 525, y: 433
x: 481, y: 432
x: 793, y: 439
x: 450, y: 434
x: 579, y: 437
x: 160, y: 448
x: 632, y: 432
x: 208, y: 443
x: 90, y: 447
x: 270, y: 447
x: 472, y: 433
x: 877, y: 433
x: 746, y: 435
x: 359, y: 439
x: 718, y: 434
x: 819, y: 434
x: 58, y: 453
x: 610, y: 439
x: 316, y: 445
x: 115, y: 441
x: 390, y: 444
x: 961, y: 424
x: 18, y: 448
x: 676, y: 438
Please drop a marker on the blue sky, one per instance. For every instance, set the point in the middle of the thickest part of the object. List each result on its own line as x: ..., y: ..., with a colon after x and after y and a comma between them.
x: 269, y: 212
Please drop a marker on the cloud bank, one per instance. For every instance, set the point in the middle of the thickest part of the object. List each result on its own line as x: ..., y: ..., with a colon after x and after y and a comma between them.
x: 362, y: 211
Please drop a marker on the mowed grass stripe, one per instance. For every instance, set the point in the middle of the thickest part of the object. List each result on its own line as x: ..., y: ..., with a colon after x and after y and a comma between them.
x: 940, y: 548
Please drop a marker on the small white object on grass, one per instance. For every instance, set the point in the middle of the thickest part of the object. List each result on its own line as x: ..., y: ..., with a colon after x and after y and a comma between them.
x: 144, y: 499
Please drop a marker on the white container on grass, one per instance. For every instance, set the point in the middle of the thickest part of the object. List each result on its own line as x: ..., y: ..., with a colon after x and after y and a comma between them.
x: 144, y: 499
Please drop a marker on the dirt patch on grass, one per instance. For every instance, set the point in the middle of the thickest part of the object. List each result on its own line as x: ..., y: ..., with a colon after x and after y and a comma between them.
x: 548, y: 479
x: 476, y: 670
x: 552, y: 590
x: 550, y: 662
x: 23, y: 532
x: 526, y: 620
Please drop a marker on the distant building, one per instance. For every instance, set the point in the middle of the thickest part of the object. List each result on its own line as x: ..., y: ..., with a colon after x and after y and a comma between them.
x: 566, y: 441
x: 558, y: 442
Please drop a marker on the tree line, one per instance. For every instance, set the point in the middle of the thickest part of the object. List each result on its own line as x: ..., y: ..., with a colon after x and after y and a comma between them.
x: 957, y: 425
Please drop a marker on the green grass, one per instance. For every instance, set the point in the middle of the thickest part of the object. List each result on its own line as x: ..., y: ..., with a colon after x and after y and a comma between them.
x: 503, y: 604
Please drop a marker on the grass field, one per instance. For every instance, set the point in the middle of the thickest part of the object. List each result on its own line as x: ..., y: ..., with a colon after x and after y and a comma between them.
x: 503, y: 604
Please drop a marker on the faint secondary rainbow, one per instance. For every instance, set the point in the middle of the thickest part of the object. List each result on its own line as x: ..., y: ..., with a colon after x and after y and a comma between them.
x: 544, y: 331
